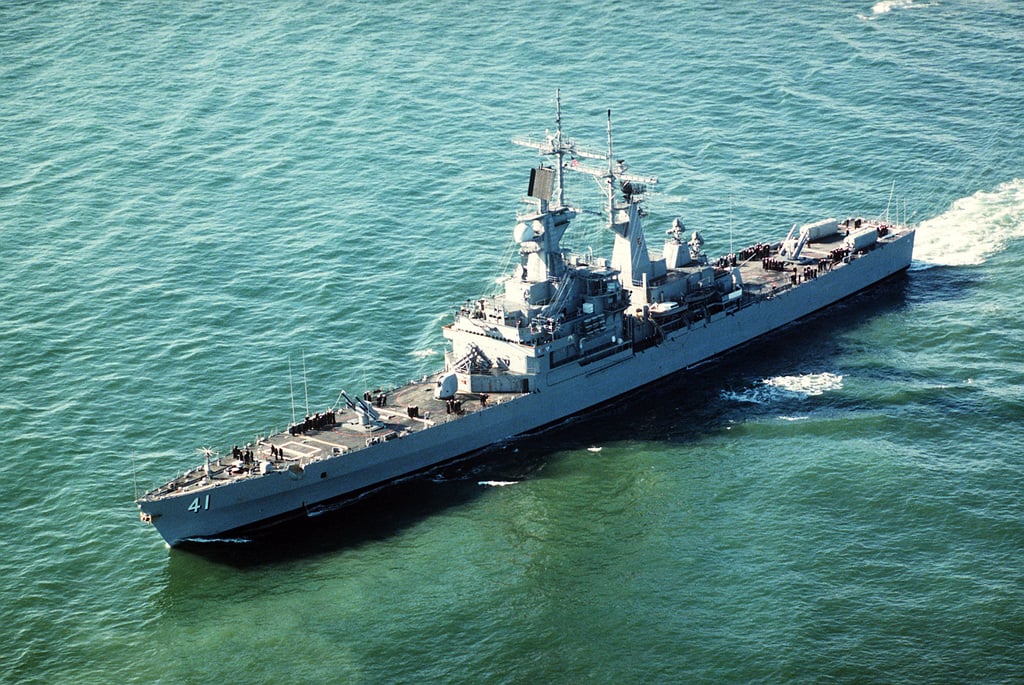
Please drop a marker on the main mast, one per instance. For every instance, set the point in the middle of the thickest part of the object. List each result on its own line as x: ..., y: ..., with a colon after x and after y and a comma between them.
x: 610, y: 178
x: 559, y: 172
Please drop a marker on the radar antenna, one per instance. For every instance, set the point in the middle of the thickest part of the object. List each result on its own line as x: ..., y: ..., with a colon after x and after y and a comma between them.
x: 207, y: 452
x: 611, y: 171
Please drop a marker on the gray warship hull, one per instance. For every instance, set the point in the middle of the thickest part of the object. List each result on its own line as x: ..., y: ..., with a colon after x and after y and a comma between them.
x: 237, y: 506
x: 568, y: 333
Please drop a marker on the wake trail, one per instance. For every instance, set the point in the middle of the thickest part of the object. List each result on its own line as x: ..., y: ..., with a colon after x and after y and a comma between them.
x: 973, y: 229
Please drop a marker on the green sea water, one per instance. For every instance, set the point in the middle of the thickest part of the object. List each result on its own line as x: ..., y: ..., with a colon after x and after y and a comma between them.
x: 199, y: 200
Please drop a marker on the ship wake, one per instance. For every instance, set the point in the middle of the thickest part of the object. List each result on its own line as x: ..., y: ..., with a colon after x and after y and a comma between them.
x: 782, y: 388
x: 973, y: 229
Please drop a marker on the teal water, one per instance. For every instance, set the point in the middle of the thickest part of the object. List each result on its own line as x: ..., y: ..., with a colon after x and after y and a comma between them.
x: 193, y: 197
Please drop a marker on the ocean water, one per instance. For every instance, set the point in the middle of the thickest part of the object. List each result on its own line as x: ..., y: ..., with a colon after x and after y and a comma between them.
x: 203, y: 203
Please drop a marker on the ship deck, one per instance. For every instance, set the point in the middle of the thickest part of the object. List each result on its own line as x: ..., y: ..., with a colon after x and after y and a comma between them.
x: 403, y: 411
x: 814, y: 259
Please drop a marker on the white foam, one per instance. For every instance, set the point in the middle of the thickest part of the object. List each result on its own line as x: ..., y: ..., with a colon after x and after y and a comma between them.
x: 497, y: 483
x: 420, y: 354
x: 778, y: 388
x: 973, y: 229
x: 807, y: 384
x: 886, y: 6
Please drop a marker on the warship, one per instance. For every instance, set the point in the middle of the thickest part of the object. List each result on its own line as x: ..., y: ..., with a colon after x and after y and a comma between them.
x: 563, y: 332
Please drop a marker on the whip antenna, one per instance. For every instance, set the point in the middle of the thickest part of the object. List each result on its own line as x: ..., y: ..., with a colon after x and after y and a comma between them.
x: 135, y: 480
x: 291, y: 388
x: 305, y: 389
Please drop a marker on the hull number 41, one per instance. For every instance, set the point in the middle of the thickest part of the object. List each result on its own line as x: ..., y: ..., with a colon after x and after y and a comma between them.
x: 196, y: 505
